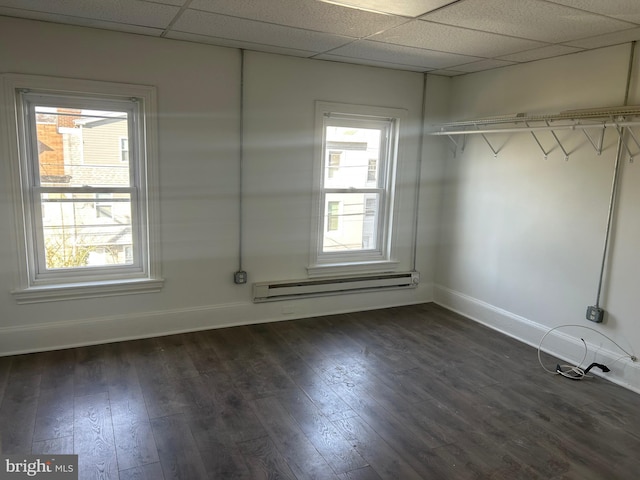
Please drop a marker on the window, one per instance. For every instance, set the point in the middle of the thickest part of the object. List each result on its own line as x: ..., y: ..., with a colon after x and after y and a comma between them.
x: 354, y: 205
x: 372, y: 171
x: 124, y: 149
x: 104, y: 209
x: 87, y: 214
x: 334, y: 163
x: 333, y: 216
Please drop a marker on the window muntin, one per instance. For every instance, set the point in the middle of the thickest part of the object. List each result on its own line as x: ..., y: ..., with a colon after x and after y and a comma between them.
x: 362, y: 184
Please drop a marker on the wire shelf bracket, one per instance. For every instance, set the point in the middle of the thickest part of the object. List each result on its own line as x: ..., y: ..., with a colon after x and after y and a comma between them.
x: 623, y: 119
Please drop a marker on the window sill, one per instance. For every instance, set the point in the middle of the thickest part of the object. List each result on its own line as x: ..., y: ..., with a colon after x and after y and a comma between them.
x: 339, y: 269
x: 77, y: 291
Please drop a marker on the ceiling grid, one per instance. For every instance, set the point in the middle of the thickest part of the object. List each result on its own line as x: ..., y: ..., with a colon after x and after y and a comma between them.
x: 444, y: 37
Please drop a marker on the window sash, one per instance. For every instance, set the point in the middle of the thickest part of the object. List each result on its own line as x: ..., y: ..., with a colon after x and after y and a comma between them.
x: 39, y: 274
x: 382, y: 188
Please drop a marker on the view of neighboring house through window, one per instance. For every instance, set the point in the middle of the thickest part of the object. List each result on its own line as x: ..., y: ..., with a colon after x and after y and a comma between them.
x: 333, y: 218
x: 82, y: 180
x: 334, y: 163
x: 83, y: 163
x: 355, y: 191
x: 124, y: 149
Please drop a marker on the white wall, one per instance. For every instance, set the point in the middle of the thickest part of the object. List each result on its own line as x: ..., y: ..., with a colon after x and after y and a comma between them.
x: 199, y: 96
x: 522, y: 237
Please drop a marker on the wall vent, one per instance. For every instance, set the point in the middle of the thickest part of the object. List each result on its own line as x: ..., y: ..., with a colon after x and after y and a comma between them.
x: 285, y: 290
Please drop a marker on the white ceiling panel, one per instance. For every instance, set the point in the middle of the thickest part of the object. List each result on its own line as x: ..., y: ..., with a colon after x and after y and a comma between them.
x: 446, y: 73
x: 371, y: 63
x: 80, y: 21
x: 224, y: 42
x: 626, y: 10
x: 599, y: 41
x: 232, y: 28
x: 406, y: 8
x: 307, y: 14
x: 178, y: 3
x: 530, y: 19
x: 434, y: 36
x: 538, y: 53
x: 487, y: 64
x: 446, y: 37
x: 390, y: 53
x: 131, y: 12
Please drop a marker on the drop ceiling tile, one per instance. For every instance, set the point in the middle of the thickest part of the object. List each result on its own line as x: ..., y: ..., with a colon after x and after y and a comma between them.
x: 79, y: 21
x: 446, y: 73
x: 486, y: 64
x: 446, y: 38
x: 406, y: 8
x: 387, y: 52
x: 177, y: 3
x: 532, y: 19
x: 607, y: 40
x: 231, y: 28
x: 540, y: 53
x: 130, y: 12
x: 223, y: 42
x: 627, y: 10
x: 306, y: 14
x: 370, y: 63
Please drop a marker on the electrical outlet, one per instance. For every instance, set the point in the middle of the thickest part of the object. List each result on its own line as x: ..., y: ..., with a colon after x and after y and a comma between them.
x: 595, y: 314
x: 240, y: 277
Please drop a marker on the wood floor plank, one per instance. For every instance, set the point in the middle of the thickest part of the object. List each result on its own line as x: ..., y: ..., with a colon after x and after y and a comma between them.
x: 5, y: 369
x: 60, y: 446
x: 216, y: 444
x: 54, y: 417
x: 135, y: 444
x: 152, y: 471
x: 401, y: 437
x: 264, y: 460
x: 387, y: 462
x: 326, y: 400
x: 230, y: 410
x: 178, y: 452
x: 18, y: 413
x: 93, y: 438
x: 325, y: 437
x: 415, y: 392
x: 27, y: 365
x: 299, y: 452
x: 171, y: 396
x: 120, y: 371
x: 89, y: 375
x: 366, y: 473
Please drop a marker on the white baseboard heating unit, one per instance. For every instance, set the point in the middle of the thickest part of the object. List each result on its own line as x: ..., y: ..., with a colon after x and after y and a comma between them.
x: 271, y: 291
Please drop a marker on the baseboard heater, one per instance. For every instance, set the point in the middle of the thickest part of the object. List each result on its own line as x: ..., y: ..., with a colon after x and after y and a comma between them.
x: 271, y: 291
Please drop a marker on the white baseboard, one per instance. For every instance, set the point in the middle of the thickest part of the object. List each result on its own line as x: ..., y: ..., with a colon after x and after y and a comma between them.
x: 559, y: 343
x: 43, y: 336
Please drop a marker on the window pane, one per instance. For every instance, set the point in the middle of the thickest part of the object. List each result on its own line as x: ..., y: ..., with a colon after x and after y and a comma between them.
x: 86, y: 230
x: 82, y: 147
x: 351, y: 155
x: 351, y: 222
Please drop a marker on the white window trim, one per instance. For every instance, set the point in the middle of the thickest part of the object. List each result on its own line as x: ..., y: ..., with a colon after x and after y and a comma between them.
x: 28, y: 288
x: 336, y: 264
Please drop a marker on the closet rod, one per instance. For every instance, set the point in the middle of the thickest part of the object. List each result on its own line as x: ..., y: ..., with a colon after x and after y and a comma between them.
x: 538, y: 128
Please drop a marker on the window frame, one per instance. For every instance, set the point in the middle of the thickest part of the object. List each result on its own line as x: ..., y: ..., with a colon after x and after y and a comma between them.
x: 383, y: 257
x: 34, y: 282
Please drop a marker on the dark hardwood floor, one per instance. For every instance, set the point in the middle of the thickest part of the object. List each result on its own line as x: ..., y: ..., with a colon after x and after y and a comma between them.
x: 404, y: 393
